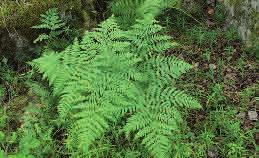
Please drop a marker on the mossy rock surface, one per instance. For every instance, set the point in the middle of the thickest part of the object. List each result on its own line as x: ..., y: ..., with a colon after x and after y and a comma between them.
x: 244, y: 14
x: 26, y: 13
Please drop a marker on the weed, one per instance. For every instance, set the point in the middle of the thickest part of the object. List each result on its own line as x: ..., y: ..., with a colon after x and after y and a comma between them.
x: 207, y: 54
x: 211, y: 73
x: 220, y: 14
x: 241, y: 65
x: 203, y: 36
x: 221, y: 64
x: 216, y: 96
x: 247, y: 94
x: 229, y: 50
x: 232, y: 34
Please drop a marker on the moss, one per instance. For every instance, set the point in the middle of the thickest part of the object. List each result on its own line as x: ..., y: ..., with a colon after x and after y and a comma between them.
x: 18, y: 14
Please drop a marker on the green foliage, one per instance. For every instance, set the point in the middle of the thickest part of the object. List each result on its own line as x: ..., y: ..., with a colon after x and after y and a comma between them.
x: 253, y: 47
x: 59, y: 35
x: 50, y: 20
x: 217, y: 96
x: 8, y: 80
x: 227, y: 126
x: 111, y: 73
x: 34, y: 137
x: 202, y: 36
x: 223, y: 124
x: 207, y: 54
x: 247, y: 94
x: 232, y: 34
x: 220, y: 14
x: 138, y: 9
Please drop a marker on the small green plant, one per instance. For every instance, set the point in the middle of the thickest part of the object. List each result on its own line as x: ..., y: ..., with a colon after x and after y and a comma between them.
x: 202, y: 36
x: 222, y: 123
x: 220, y: 14
x: 8, y: 78
x: 220, y: 64
x: 7, y: 138
x: 253, y: 47
x: 232, y: 34
x: 229, y: 50
x: 59, y: 34
x: 247, y: 94
x: 207, y: 138
x: 241, y: 65
x: 216, y: 96
x: 207, y: 54
x: 34, y: 137
x: 210, y: 74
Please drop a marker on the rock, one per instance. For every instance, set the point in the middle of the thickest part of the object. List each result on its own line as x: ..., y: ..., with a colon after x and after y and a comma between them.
x: 212, y: 153
x: 196, y: 65
x: 212, y: 66
x: 241, y: 115
x: 252, y: 115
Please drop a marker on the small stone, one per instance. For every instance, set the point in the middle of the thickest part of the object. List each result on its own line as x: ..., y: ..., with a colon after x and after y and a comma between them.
x: 213, y: 153
x: 211, y: 11
x: 241, y: 115
x: 252, y: 115
x: 229, y: 70
x: 213, y: 66
x: 196, y: 64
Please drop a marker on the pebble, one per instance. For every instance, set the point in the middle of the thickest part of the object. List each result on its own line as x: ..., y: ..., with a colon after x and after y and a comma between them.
x: 241, y: 115
x: 213, y: 66
x: 212, y: 153
x: 252, y: 115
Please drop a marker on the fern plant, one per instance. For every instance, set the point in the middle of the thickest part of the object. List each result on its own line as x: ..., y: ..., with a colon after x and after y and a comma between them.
x: 111, y: 73
x: 58, y: 33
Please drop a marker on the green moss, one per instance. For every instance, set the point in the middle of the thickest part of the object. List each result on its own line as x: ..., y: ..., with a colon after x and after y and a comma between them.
x: 18, y: 14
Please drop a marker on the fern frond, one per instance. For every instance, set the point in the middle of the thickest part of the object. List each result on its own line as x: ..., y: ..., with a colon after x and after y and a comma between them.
x: 160, y: 119
x: 167, y: 68
x: 52, y: 70
x: 147, y: 38
x: 50, y: 20
x: 155, y: 129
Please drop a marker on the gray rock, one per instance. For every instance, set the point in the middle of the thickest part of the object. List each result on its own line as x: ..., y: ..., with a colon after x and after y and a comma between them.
x: 252, y: 115
x: 212, y: 153
x: 241, y: 115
